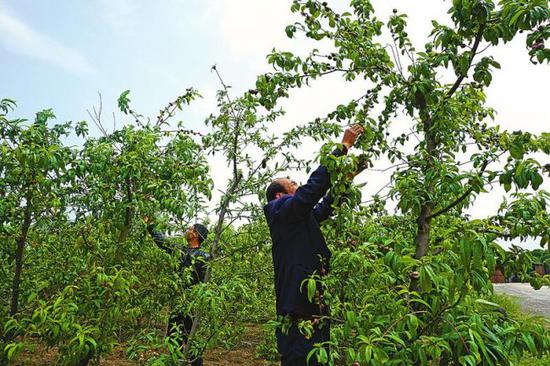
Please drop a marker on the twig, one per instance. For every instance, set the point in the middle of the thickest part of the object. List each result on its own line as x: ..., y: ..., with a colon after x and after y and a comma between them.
x: 386, y: 169
x: 96, y: 116
x: 461, y: 197
x: 459, y: 80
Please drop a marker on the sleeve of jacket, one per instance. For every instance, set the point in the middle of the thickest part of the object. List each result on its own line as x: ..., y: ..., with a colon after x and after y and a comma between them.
x: 323, y: 210
x: 160, y: 239
x: 308, y: 195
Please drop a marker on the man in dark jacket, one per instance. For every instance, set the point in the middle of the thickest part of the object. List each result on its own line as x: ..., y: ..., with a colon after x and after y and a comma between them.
x: 179, y: 324
x: 299, y: 251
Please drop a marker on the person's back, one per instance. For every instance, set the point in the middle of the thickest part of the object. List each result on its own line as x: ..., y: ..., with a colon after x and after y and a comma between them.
x: 196, y: 259
x: 300, y: 252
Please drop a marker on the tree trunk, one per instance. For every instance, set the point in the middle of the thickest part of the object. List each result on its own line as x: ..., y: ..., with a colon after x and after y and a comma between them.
x: 128, y: 214
x: 19, y: 254
x: 424, y: 219
x: 423, y: 233
x: 85, y: 361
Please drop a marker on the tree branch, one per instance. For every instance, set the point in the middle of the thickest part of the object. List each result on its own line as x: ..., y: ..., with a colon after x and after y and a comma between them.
x: 462, y: 197
x: 96, y: 116
x: 235, y: 117
x: 128, y: 214
x: 21, y: 241
x: 477, y: 41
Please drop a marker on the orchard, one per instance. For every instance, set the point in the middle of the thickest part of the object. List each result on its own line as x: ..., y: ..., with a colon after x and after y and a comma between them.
x: 81, y: 277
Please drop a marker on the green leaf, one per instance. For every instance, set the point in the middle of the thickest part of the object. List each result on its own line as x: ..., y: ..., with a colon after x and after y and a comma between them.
x: 528, y: 340
x: 536, y: 180
x: 515, y: 17
x: 488, y: 303
x: 516, y: 150
x: 123, y: 101
x: 290, y: 30
x: 311, y: 288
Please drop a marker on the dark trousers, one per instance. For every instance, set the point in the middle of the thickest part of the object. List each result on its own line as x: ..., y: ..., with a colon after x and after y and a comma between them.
x: 183, y: 323
x: 294, y: 347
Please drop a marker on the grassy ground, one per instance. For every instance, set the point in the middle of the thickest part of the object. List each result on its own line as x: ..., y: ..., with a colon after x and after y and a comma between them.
x: 531, y: 361
x: 513, y: 308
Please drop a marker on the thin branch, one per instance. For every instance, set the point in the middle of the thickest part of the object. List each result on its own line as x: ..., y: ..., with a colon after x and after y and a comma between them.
x: 415, y: 135
x: 185, y: 131
x: 235, y: 117
x: 386, y: 169
x: 499, y: 234
x: 462, y: 197
x: 477, y: 41
x: 333, y: 69
x: 397, y: 57
x: 137, y: 117
x: 400, y: 319
x: 381, y: 189
x: 460, y: 335
x: 169, y: 111
x: 373, y: 199
x: 96, y: 116
x: 484, y: 49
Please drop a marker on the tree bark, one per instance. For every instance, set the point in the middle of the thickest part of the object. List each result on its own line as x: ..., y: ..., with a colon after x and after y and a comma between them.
x: 21, y: 241
x: 423, y: 234
x: 424, y: 219
x: 128, y: 214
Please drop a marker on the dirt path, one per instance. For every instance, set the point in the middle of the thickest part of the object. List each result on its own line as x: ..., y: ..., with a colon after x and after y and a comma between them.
x: 531, y: 300
x: 243, y: 355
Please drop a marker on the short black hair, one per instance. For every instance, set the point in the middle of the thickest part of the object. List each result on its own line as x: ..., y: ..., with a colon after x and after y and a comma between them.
x: 202, y: 231
x: 272, y: 190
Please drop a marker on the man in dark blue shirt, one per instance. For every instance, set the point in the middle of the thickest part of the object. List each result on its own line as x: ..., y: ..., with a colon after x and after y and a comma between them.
x: 179, y: 324
x: 299, y: 251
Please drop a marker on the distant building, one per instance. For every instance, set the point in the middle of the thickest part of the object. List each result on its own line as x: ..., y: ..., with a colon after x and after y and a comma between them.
x: 498, y: 276
x: 539, y: 268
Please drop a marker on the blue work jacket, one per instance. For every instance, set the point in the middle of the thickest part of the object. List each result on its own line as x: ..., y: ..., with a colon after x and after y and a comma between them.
x: 299, y: 249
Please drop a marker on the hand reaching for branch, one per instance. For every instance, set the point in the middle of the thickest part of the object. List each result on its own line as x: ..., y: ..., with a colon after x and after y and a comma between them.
x: 351, y: 135
x: 362, y: 164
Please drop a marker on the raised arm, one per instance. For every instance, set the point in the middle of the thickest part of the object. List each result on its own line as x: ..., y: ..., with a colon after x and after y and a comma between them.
x: 159, y: 238
x: 323, y: 210
x: 307, y: 196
